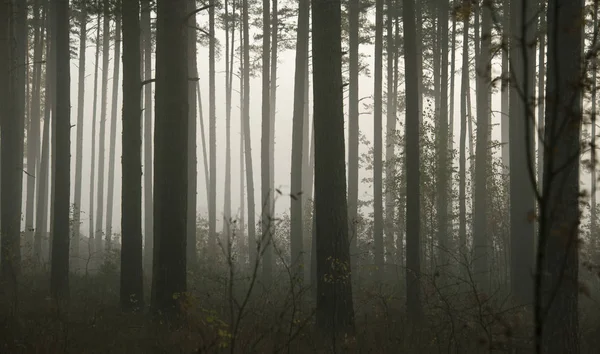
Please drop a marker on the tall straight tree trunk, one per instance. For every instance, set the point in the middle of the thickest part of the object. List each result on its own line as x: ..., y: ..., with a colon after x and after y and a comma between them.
x: 59, y: 272
x: 593, y: 212
x: 170, y: 156
x: 464, y: 92
x: 419, y: 50
x: 541, y: 91
x: 192, y: 174
x: 226, y: 236
x: 148, y: 203
x: 443, y: 182
x: 79, y: 139
x: 9, y: 144
x: 522, y: 204
x: 33, y: 135
x: 212, y: 135
x: 241, y: 227
x: 296, y: 207
x: 265, y: 165
x: 102, y: 141
x: 335, y: 312
x: 132, y: 275
x: 413, y: 261
x: 113, y: 132
x: 202, y: 136
x: 390, y: 129
x: 505, y: 92
x: 480, y: 238
x: 353, y: 129
x: 273, y: 95
x: 252, y: 245
x: 556, y: 288
x: 41, y: 214
x: 92, y: 229
x: 451, y: 131
x: 378, y: 141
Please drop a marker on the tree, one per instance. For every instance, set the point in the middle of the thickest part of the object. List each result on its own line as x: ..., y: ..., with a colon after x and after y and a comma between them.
x: 192, y: 161
x: 103, y: 105
x: 378, y: 140
x: 170, y: 156
x: 113, y: 129
x: 212, y: 134
x: 465, y: 12
x: 353, y: 88
x: 480, y: 237
x: 521, y: 132
x: 556, y: 285
x: 132, y: 277
x: 59, y: 272
x: 335, y: 312
x: 79, y: 138
x: 413, y: 255
x: 148, y: 204
x: 92, y: 229
x: 265, y: 145
x: 296, y: 207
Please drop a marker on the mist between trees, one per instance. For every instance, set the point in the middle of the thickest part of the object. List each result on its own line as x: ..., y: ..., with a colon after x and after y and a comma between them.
x: 425, y: 176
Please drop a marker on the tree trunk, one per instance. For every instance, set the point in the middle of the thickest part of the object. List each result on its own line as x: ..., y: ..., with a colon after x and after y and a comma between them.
x: 296, y: 207
x: 335, y: 312
x: 413, y: 261
x: 192, y: 174
x: 226, y: 233
x: 265, y: 165
x: 505, y: 92
x: 132, y: 276
x: 33, y: 133
x: 462, y: 195
x: 522, y: 206
x: 148, y: 203
x: 92, y: 229
x: 59, y: 272
x: 390, y: 168
x: 443, y: 185
x: 102, y: 141
x: 353, y: 129
x: 212, y: 135
x: 252, y: 245
x: 170, y: 156
x: 113, y: 132
x: 556, y: 286
x: 378, y: 142
x: 480, y: 238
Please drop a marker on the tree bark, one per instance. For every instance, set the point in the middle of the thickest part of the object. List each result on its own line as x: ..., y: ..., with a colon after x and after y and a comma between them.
x: 132, y: 276
x: 335, y: 313
x: 148, y: 192
x: 192, y: 174
x: 170, y: 156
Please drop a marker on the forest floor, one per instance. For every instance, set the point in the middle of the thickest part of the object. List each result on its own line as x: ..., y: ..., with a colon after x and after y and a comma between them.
x: 273, y: 320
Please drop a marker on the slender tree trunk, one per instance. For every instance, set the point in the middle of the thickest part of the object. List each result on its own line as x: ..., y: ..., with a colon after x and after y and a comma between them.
x: 148, y: 203
x: 480, y: 238
x: 522, y: 172
x: 33, y: 135
x: 556, y: 288
x: 79, y: 139
x: 92, y: 229
x: 353, y: 129
x: 419, y: 51
x: 273, y: 110
x: 241, y: 228
x: 252, y: 245
x: 203, y: 136
x: 390, y: 168
x: 59, y: 273
x: 451, y: 132
x: 192, y: 174
x: 132, y: 275
x: 226, y: 236
x: 212, y: 135
x: 102, y: 141
x: 41, y: 221
x: 113, y: 132
x: 296, y: 207
x: 443, y: 185
x: 378, y: 142
x: 462, y: 222
x: 413, y: 261
x: 593, y: 212
x: 541, y: 91
x: 505, y: 92
x: 170, y: 156
x: 266, y: 193
x: 335, y: 313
